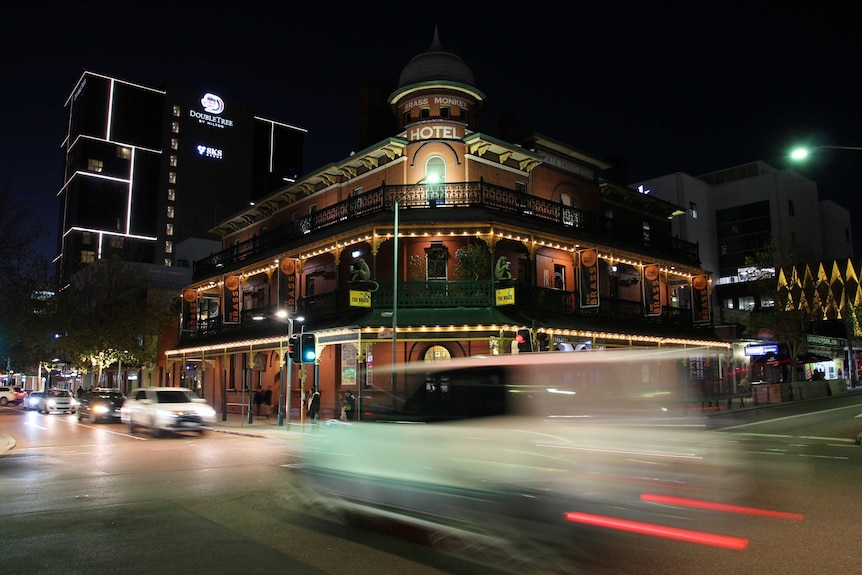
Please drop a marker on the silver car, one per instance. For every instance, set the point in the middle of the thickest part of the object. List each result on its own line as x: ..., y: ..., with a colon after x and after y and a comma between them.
x: 58, y: 401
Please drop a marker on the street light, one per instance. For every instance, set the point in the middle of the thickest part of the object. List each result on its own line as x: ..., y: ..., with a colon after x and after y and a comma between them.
x: 802, y: 152
x: 431, y: 178
x: 286, y: 369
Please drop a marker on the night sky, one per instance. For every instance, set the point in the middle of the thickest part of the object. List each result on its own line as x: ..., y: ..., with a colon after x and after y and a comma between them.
x: 670, y: 86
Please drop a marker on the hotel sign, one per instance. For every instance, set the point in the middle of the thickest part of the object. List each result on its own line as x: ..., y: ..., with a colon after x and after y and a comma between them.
x: 213, y: 106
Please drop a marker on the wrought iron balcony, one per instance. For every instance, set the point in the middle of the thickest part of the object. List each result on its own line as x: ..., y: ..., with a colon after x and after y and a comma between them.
x: 438, y: 295
x: 532, y: 212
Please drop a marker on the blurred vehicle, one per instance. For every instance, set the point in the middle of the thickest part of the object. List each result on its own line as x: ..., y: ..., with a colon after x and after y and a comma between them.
x: 11, y: 395
x: 161, y: 409
x: 57, y: 400
x: 32, y: 401
x: 101, y: 404
x: 528, y: 462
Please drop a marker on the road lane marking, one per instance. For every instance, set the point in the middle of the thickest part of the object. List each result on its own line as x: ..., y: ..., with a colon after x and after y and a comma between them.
x: 761, y: 422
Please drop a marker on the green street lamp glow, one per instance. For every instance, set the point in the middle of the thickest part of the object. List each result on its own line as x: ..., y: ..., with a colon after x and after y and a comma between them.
x: 799, y: 154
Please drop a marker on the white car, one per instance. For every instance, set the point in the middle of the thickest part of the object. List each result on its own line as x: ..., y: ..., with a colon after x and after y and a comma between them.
x: 166, y: 409
x: 56, y: 400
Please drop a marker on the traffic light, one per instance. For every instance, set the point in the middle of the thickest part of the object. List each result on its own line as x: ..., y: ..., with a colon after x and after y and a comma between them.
x: 308, y: 348
x: 543, y: 341
x: 525, y: 341
x: 293, y: 348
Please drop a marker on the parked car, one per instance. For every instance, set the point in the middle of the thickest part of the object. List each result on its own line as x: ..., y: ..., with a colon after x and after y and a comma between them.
x: 32, y: 401
x: 11, y: 395
x: 101, y: 403
x: 57, y: 400
x: 166, y: 409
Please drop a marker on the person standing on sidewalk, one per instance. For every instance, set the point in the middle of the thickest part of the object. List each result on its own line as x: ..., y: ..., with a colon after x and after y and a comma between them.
x: 349, y: 405
x: 267, y: 401
x: 314, y: 405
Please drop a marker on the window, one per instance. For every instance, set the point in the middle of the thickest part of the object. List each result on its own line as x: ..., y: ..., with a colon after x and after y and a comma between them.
x: 406, y: 118
x: 444, y: 112
x: 169, y: 230
x: 170, y: 212
x: 727, y: 303
x: 437, y: 256
x: 559, y: 276
x: 424, y: 113
x: 172, y: 195
x: 124, y: 153
x: 646, y: 233
x: 437, y: 353
x: 85, y: 238
x: 169, y: 247
x: 692, y: 210
x: 173, y: 161
x: 116, y: 242
x: 88, y: 256
x: 435, y: 173
x: 168, y: 262
x: 172, y: 177
x: 94, y: 165
x: 435, y: 170
x: 309, y: 285
x: 176, y: 111
x: 521, y: 188
x: 175, y: 144
x: 175, y: 127
x: 790, y: 208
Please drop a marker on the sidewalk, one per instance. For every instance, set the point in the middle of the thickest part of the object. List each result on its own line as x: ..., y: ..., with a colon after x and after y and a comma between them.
x: 260, y: 427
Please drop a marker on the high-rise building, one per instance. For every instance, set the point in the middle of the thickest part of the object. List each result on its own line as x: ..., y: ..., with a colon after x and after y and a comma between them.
x: 147, y: 168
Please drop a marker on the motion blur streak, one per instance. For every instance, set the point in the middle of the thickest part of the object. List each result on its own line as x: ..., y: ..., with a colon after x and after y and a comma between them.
x: 684, y: 502
x: 686, y: 535
x: 623, y: 452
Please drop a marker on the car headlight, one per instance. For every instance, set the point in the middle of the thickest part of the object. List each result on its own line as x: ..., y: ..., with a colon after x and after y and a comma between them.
x: 51, y: 403
x: 206, y: 412
x: 100, y: 408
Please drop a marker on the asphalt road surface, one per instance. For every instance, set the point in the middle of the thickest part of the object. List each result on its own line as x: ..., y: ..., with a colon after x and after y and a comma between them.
x: 83, y: 498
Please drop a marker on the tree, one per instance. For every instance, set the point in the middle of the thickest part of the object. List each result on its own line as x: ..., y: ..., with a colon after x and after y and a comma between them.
x: 787, y: 321
x: 26, y: 287
x: 473, y: 262
x: 111, y: 316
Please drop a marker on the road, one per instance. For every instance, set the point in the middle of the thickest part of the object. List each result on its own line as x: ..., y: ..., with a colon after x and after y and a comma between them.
x: 95, y: 499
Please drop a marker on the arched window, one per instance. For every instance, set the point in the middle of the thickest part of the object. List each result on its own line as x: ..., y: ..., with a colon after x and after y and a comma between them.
x: 435, y: 170
x: 435, y: 173
x: 569, y: 212
x: 437, y: 353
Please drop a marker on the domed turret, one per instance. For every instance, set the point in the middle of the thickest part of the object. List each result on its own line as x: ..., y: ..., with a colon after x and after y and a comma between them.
x: 437, y: 85
x: 437, y: 65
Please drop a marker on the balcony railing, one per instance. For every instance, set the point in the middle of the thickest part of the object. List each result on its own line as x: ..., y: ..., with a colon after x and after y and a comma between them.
x: 532, y: 212
x: 442, y: 294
